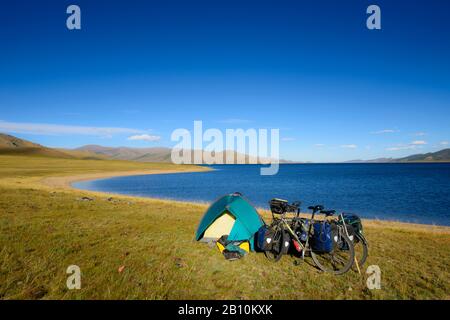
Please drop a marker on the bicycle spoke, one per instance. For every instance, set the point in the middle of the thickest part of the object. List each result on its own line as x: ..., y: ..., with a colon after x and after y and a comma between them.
x: 338, y: 258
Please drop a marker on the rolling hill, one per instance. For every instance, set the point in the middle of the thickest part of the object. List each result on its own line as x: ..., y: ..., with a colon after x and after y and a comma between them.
x: 156, y: 154
x: 378, y: 160
x: 10, y: 145
x: 439, y: 156
x: 126, y: 153
x: 14, y: 146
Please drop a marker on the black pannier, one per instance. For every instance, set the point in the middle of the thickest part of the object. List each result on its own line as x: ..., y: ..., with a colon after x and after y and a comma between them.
x: 278, y: 206
x: 354, y: 221
x: 264, y: 238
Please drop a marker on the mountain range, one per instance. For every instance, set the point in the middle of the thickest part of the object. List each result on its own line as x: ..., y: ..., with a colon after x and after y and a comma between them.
x: 438, y: 156
x: 15, y: 146
x: 125, y: 153
x: 159, y: 154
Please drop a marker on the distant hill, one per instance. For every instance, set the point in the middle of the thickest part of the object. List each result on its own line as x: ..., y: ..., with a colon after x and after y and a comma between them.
x: 10, y: 145
x: 85, y: 155
x: 378, y: 160
x: 438, y: 156
x: 125, y: 153
x: 156, y: 154
x: 14, y: 146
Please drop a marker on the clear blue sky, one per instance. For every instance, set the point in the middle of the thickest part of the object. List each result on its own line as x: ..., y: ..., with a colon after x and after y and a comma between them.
x: 337, y: 90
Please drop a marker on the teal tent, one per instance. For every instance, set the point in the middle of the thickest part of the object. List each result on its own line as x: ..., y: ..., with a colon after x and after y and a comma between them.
x: 230, y: 215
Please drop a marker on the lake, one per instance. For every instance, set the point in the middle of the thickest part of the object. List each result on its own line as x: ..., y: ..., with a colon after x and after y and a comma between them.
x: 410, y: 192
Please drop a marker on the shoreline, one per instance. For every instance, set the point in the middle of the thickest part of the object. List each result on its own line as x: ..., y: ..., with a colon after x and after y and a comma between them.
x: 65, y: 182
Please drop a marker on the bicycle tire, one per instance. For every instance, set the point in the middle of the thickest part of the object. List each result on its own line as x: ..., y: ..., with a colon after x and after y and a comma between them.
x: 348, y: 264
x: 365, y: 250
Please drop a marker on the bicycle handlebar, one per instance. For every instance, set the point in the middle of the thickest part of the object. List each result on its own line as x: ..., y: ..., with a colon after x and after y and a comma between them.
x: 316, y: 208
x: 294, y: 206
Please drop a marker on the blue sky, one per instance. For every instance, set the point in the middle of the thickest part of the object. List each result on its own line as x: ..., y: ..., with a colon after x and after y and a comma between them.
x: 336, y: 90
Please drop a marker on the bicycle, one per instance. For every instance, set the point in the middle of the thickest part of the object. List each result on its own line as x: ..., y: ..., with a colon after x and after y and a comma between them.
x: 356, y: 235
x: 343, y: 252
x: 280, y: 228
x: 300, y: 231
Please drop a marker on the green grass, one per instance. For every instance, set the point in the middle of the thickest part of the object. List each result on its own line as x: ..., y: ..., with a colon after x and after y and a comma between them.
x: 43, y: 230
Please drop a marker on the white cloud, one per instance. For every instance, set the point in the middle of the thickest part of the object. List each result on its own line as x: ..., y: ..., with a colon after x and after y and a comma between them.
x: 443, y: 143
x: 349, y: 146
x: 401, y: 147
x: 418, y: 143
x: 287, y: 139
x: 410, y: 146
x: 144, y: 137
x: 384, y: 131
x: 319, y: 145
x: 420, y: 134
x: 57, y: 129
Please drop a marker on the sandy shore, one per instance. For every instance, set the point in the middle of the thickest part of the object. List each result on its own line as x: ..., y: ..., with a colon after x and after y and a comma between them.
x: 66, y: 181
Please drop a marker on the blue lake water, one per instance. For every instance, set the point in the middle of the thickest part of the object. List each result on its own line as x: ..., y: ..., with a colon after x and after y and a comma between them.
x: 418, y: 192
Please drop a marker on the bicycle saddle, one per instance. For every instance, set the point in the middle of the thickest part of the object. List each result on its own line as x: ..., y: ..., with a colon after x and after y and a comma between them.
x: 328, y: 212
x: 316, y: 208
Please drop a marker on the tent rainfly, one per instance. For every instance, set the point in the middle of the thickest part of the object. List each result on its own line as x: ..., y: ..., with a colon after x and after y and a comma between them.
x: 230, y: 215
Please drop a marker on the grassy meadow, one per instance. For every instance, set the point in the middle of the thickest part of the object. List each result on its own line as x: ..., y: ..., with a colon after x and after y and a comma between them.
x: 136, y: 248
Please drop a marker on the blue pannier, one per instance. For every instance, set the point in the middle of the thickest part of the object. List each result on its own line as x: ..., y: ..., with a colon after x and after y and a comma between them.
x: 264, y: 239
x: 322, y: 237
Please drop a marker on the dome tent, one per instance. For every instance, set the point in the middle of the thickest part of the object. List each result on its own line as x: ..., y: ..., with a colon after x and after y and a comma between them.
x: 230, y: 215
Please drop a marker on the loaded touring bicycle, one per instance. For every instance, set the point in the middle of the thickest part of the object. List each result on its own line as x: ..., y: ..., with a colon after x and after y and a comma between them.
x: 329, y: 242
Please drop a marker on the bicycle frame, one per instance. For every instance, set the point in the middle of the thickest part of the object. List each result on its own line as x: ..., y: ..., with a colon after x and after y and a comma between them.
x: 305, y: 247
x: 284, y: 221
x: 283, y: 224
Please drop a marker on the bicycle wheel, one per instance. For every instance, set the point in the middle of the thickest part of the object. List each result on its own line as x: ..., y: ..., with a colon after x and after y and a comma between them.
x: 339, y: 260
x: 361, y: 249
x: 277, y: 247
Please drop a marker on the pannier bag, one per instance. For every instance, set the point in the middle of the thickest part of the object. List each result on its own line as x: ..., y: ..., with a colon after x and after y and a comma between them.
x: 303, y: 232
x: 232, y: 250
x: 223, y: 244
x: 354, y: 221
x: 322, y: 237
x: 265, y: 238
x: 278, y: 206
x: 286, y: 243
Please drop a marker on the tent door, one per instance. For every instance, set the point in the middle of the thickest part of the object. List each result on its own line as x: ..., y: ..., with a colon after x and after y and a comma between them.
x: 221, y: 226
